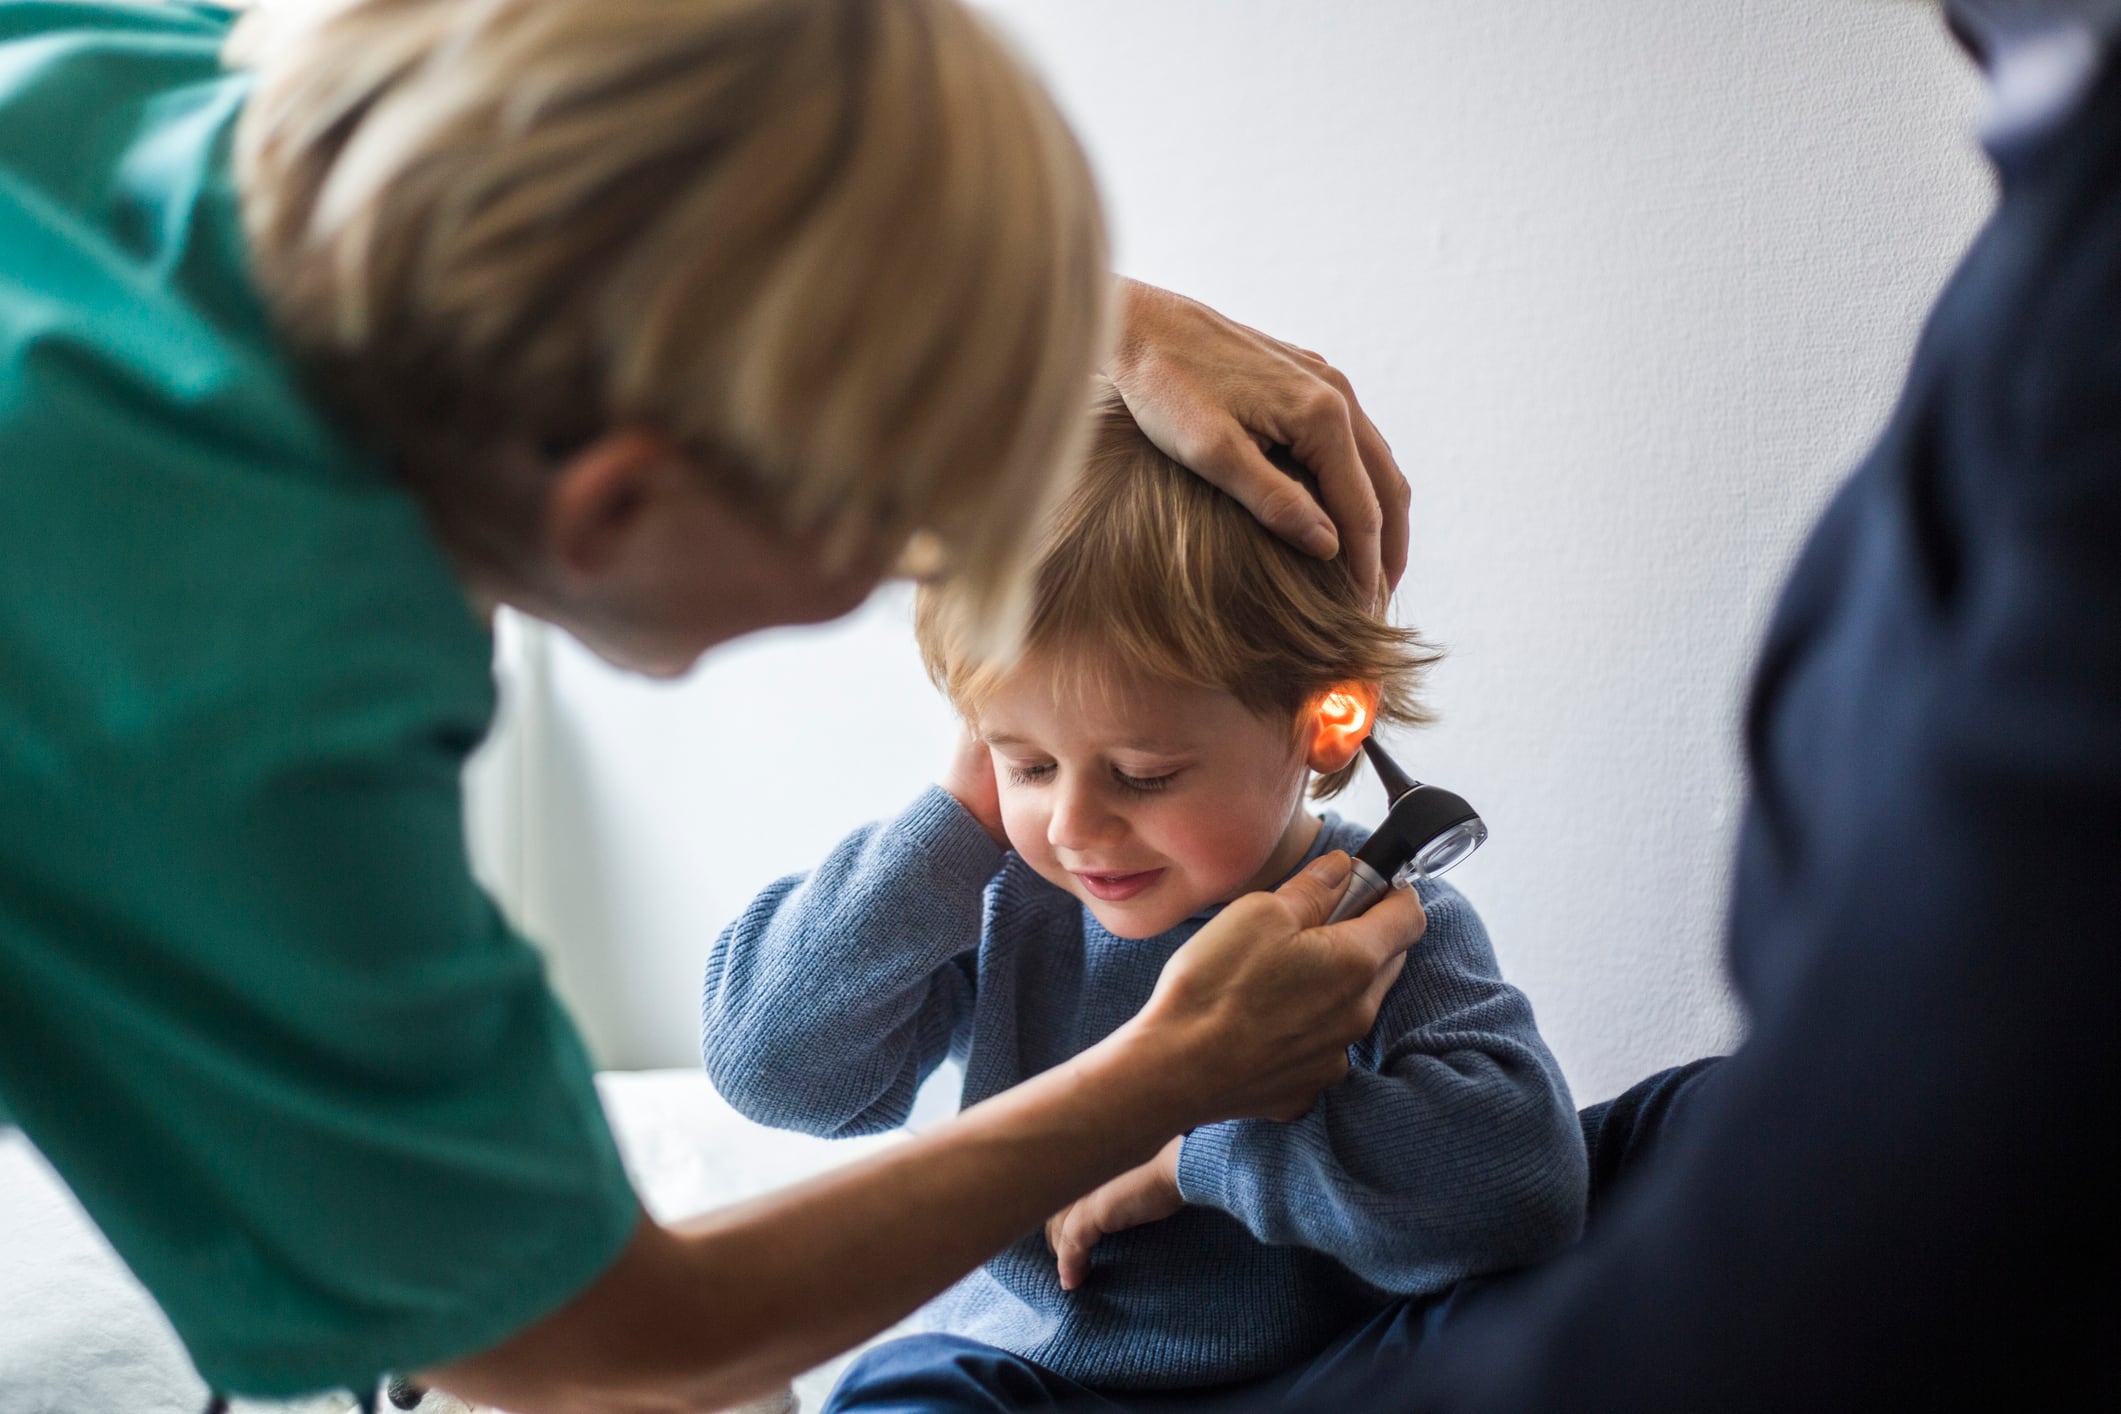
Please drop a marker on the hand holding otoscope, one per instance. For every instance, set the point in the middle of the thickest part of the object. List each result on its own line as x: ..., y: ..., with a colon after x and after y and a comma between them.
x: 1427, y: 830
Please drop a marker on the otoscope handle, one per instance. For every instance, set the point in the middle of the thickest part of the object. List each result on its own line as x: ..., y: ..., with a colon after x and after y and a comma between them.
x: 1365, y: 887
x: 1420, y: 818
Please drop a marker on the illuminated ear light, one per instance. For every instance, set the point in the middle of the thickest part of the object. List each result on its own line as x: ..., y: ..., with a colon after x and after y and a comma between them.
x: 1343, y: 712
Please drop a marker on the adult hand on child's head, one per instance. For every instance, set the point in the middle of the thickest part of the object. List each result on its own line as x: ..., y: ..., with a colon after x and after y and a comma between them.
x: 970, y: 778
x: 1147, y: 1194
x: 1213, y: 394
x: 1253, y: 1017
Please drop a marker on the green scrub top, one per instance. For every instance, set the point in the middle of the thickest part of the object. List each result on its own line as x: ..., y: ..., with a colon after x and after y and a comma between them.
x: 253, y: 1007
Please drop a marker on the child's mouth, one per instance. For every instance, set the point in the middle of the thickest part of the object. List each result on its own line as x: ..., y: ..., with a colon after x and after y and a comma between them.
x: 1116, y: 888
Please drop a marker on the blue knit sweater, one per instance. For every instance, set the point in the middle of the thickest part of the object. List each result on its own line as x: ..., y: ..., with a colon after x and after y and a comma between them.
x: 1451, y: 1148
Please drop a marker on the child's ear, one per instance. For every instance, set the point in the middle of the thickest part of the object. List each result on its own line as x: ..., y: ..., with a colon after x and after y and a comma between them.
x: 1336, y: 725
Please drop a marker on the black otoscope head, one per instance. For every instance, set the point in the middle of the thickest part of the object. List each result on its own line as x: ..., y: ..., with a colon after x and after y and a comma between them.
x: 1396, y: 782
x: 1427, y: 830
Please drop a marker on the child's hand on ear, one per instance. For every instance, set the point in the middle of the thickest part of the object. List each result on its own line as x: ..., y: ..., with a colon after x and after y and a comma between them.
x: 1147, y: 1194
x: 970, y: 778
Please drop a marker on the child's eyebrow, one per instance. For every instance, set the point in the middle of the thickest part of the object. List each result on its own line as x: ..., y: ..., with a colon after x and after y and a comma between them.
x: 1156, y: 746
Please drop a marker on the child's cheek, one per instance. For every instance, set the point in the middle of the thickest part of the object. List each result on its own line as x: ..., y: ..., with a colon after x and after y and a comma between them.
x: 1024, y: 822
x: 1227, y: 846
x: 1231, y: 852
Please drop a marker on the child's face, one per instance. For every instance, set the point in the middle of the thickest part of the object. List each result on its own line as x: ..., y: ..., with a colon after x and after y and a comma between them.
x: 1147, y: 800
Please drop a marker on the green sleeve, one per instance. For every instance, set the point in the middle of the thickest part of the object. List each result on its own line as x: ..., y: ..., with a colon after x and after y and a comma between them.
x: 253, y: 1007
x: 296, y: 1067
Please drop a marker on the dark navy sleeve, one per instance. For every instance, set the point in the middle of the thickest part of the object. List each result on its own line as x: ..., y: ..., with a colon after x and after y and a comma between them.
x: 1900, y: 1191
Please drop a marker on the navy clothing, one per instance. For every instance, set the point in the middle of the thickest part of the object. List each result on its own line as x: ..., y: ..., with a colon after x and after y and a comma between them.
x: 948, y: 1374
x: 1901, y: 1191
x: 1621, y: 1134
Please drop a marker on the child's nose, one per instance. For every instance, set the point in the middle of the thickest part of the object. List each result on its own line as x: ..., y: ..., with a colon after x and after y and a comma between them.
x: 1080, y: 819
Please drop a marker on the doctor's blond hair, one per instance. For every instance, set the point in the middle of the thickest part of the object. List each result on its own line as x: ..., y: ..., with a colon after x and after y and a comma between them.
x: 845, y: 251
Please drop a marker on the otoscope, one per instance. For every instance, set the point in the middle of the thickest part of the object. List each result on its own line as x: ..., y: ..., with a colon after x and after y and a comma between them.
x: 1427, y: 830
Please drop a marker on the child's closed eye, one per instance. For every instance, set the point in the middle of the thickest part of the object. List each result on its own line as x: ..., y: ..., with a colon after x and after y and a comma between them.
x: 1038, y: 775
x: 1144, y: 785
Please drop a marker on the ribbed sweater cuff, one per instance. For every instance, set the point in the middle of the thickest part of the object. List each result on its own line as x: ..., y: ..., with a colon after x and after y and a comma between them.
x: 1204, y: 1166
x: 948, y: 842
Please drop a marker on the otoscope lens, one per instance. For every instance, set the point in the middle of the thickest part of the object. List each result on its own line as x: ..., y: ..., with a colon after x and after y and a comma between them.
x: 1449, y: 848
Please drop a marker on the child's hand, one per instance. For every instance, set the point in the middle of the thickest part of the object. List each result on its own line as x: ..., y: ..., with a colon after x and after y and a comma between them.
x: 1147, y: 1194
x: 970, y: 778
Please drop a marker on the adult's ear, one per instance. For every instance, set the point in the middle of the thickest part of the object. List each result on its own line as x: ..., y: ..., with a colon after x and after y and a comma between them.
x: 1336, y: 725
x: 598, y: 497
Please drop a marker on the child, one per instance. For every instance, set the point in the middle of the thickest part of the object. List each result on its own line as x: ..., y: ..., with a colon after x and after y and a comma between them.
x: 1140, y: 764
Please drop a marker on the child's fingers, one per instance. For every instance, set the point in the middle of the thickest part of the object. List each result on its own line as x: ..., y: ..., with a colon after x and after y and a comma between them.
x: 1074, y: 1266
x: 1079, y: 1231
x: 1053, y: 1231
x: 970, y: 779
x: 1073, y: 1261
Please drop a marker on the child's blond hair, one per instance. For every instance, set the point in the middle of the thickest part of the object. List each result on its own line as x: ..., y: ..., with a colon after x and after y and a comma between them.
x: 1148, y: 569
x: 845, y: 251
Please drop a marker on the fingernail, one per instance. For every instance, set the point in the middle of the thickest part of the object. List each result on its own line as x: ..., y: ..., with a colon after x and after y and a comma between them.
x: 1322, y: 540
x: 1329, y: 868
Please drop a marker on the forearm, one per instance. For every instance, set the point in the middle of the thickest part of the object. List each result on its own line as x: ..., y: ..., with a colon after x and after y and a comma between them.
x: 1251, y: 1017
x: 734, y: 1304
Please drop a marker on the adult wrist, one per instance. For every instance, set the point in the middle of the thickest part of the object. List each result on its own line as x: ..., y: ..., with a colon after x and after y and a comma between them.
x: 1140, y: 1074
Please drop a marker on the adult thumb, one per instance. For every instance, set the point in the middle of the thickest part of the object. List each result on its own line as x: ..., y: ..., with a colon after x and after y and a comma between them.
x: 1313, y: 890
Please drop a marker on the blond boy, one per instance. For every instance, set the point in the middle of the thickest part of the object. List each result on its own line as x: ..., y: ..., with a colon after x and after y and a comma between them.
x: 1140, y: 765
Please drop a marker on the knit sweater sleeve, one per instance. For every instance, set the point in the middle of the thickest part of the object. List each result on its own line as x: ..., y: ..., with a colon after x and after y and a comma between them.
x: 1451, y: 1148
x: 836, y: 993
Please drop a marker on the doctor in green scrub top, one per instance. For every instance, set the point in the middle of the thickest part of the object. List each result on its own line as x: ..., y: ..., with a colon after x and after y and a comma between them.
x: 325, y: 331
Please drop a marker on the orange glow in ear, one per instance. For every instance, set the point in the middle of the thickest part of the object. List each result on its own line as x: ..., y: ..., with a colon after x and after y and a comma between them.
x: 1340, y: 722
x: 1343, y: 712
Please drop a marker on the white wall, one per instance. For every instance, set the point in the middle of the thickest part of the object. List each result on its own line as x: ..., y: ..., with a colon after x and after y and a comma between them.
x: 1628, y: 285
